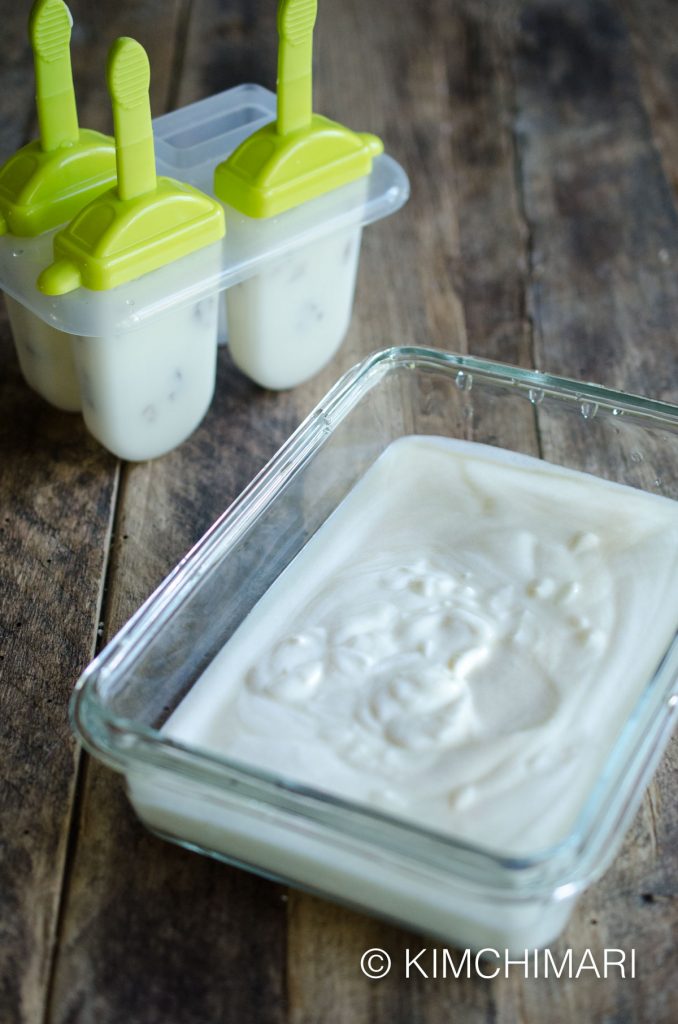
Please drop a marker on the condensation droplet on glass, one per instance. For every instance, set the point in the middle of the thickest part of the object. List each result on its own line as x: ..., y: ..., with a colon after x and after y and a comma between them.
x: 535, y: 395
x: 588, y: 409
x: 464, y: 381
x: 636, y: 456
x: 617, y: 412
x: 17, y: 252
x: 129, y: 302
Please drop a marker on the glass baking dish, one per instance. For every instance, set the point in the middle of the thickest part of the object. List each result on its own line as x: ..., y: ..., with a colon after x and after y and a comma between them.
x: 457, y: 891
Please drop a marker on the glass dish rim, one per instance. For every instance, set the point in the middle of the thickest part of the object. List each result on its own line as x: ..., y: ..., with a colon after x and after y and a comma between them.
x: 562, y: 868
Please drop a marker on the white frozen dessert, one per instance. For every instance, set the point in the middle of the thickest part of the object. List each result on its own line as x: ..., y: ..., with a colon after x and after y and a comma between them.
x: 45, y: 356
x: 145, y: 391
x: 287, y: 322
x: 142, y: 390
x: 459, y: 645
x: 43, y: 185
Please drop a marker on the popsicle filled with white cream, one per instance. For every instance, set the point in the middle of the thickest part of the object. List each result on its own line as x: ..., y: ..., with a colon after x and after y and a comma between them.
x: 144, y: 391
x: 42, y: 186
x: 286, y: 322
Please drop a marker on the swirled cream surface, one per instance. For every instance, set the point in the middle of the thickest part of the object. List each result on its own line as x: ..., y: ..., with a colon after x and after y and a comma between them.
x: 459, y: 645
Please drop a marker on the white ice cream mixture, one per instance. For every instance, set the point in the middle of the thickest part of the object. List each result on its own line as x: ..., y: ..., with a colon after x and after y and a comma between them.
x: 459, y: 644
x: 287, y: 322
x: 45, y: 356
x: 145, y: 391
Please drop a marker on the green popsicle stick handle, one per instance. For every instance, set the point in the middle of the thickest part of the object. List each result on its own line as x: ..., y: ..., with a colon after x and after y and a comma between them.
x: 129, y: 75
x: 296, y: 19
x: 50, y: 33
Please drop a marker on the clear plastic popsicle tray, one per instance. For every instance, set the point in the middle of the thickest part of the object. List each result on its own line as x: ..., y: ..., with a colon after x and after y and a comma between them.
x: 190, y: 142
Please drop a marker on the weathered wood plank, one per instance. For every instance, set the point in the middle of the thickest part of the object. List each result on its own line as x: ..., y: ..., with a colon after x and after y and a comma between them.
x: 653, y: 26
x: 57, y: 488
x: 602, y: 215
x: 603, y: 233
x: 136, y: 905
x: 57, y: 492
x: 16, y: 99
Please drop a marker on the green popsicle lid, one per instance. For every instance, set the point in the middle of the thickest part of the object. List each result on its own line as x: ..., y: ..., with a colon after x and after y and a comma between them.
x: 301, y: 155
x: 47, y: 181
x: 144, y: 222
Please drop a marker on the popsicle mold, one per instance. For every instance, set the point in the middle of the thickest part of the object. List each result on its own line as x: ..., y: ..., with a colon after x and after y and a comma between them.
x: 47, y: 181
x: 146, y: 392
x: 284, y: 326
x: 143, y: 222
x: 127, y: 273
x: 289, y: 320
x: 301, y: 154
x: 44, y: 184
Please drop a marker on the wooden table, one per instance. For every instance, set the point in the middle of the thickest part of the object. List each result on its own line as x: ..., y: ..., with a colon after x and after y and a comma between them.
x: 541, y: 139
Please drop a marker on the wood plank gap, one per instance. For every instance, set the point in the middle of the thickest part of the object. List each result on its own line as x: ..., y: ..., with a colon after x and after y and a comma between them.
x: 179, y: 55
x: 653, y: 817
x: 69, y: 860
x: 81, y: 761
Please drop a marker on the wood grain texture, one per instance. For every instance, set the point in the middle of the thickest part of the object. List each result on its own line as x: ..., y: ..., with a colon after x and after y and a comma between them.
x: 56, y: 492
x: 653, y: 30
x: 602, y: 216
x: 603, y: 231
x: 57, y: 488
x: 223, y: 926
x: 542, y: 227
